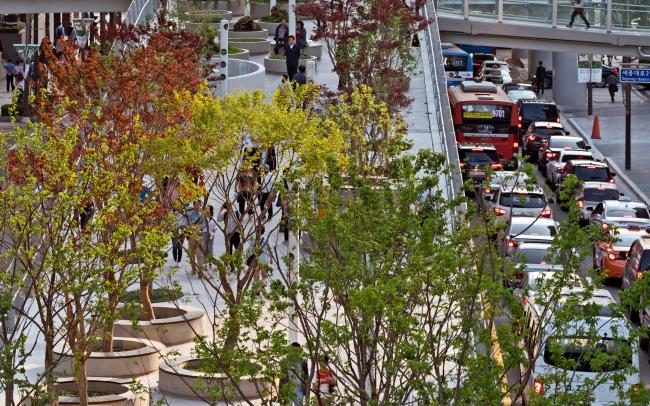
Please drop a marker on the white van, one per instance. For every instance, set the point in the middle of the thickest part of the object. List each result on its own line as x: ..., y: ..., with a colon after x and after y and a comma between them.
x: 568, y: 354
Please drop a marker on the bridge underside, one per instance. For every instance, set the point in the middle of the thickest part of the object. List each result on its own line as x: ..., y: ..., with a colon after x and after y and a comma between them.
x: 538, y: 37
x: 62, y: 6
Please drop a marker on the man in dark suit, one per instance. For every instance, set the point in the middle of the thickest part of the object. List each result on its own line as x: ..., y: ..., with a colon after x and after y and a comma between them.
x: 292, y: 53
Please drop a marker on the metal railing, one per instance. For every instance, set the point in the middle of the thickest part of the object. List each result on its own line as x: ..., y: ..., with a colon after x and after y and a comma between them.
x: 453, y: 181
x: 610, y: 15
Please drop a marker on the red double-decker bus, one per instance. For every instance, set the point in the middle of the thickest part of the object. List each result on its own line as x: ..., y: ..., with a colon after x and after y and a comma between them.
x: 483, y: 113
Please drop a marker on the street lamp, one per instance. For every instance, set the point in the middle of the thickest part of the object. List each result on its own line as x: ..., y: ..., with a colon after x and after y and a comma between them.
x: 82, y: 28
x: 27, y: 53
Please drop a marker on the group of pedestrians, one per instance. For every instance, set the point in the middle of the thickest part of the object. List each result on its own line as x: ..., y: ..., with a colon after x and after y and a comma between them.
x: 297, y: 373
x: 292, y: 45
x: 14, y: 74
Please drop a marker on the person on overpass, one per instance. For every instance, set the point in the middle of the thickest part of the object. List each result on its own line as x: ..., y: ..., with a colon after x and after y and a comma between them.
x: 578, y: 11
x: 540, y: 75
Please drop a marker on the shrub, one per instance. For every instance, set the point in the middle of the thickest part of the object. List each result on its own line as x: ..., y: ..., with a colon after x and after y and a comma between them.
x: 246, y: 23
x: 11, y: 27
x: 277, y: 14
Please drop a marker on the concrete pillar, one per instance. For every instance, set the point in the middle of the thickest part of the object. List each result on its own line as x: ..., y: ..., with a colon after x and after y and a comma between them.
x: 51, y: 27
x: 520, y: 53
x: 535, y: 56
x: 567, y: 92
x: 42, y: 29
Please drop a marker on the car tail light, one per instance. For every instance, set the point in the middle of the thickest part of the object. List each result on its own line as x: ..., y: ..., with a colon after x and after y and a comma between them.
x: 498, y: 211
x: 558, y: 119
x: 496, y: 166
x: 611, y: 180
x: 581, y: 203
x: 512, y: 243
x: 532, y: 137
x: 477, y: 149
x: 550, y: 155
x: 545, y: 213
x: 605, y: 226
x: 519, y: 118
x: 488, y: 190
x: 639, y: 275
x: 462, y: 165
x: 611, y: 256
x: 519, y: 125
x: 538, y: 386
x: 515, y: 145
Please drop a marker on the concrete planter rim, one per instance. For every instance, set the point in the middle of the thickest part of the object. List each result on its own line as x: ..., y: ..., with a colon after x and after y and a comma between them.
x: 187, y: 313
x: 124, y: 396
x: 147, y: 347
x: 177, y: 367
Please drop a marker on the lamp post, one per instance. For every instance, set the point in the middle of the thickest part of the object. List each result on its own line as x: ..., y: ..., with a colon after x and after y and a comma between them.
x: 27, y: 53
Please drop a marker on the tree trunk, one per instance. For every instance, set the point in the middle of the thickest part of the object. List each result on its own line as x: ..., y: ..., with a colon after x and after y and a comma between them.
x: 107, y: 340
x: 234, y: 326
x: 147, y: 309
x: 9, y: 393
x: 82, y: 383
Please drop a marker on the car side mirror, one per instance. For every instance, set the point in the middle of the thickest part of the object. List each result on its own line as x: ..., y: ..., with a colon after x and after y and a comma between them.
x: 567, y: 133
x: 621, y: 194
x: 488, y: 198
x: 613, y: 174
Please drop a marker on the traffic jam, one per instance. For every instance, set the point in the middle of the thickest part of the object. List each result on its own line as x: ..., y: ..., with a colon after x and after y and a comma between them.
x: 495, y: 135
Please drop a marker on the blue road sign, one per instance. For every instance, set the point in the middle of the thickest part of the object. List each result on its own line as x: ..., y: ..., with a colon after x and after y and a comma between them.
x: 635, y: 75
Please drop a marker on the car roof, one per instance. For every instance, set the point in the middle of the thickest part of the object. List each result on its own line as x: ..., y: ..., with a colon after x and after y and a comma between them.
x: 614, y: 204
x: 548, y: 124
x: 528, y: 220
x: 594, y: 185
x: 588, y: 162
x: 470, y: 145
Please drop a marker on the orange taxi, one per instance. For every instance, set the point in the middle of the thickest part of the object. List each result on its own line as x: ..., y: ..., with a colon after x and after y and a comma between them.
x: 610, y: 254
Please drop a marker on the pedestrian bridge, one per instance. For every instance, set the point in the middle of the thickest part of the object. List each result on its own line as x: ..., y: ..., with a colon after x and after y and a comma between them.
x: 618, y: 27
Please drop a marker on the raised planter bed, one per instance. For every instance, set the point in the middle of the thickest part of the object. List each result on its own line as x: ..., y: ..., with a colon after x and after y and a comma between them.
x: 174, y: 324
x: 279, y: 66
x: 108, y: 392
x: 136, y: 357
x: 248, y: 34
x: 270, y: 27
x: 178, y: 377
x: 197, y: 21
x: 314, y: 48
x: 254, y: 45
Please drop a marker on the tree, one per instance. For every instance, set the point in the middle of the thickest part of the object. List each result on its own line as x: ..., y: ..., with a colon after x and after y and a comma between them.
x: 369, y: 44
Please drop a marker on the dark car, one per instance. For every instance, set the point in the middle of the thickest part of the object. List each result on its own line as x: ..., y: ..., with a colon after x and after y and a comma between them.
x: 539, y: 132
x: 478, y: 59
x: 588, y: 171
x: 476, y: 160
x: 637, y: 264
x: 535, y: 110
x: 550, y: 150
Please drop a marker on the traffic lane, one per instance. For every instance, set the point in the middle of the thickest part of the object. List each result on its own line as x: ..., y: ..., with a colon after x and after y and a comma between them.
x: 585, y: 269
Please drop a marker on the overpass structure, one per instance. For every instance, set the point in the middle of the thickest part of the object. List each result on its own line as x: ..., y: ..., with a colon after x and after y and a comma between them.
x: 539, y: 27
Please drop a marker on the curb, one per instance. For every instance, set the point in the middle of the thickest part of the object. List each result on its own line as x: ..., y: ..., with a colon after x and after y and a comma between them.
x: 619, y: 173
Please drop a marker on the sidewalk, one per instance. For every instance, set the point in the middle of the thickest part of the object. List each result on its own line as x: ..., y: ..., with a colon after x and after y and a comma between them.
x: 612, y: 131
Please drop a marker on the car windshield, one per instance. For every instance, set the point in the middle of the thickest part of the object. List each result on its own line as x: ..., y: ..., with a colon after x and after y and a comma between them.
x: 598, y: 194
x: 598, y: 173
x: 570, y: 157
x: 522, y: 200
x: 548, y: 131
x: 535, y: 229
x: 482, y: 157
x: 539, y: 111
x: 582, y: 354
x: 632, y: 212
x: 533, y: 256
x: 566, y: 142
x: 625, y: 240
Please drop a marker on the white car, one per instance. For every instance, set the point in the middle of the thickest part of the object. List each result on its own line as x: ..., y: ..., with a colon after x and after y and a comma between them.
x: 517, y: 95
x: 501, y: 65
x: 552, y: 349
x: 554, y: 168
x: 525, y: 229
x: 496, y: 76
x: 620, y: 213
x: 519, y: 201
x: 531, y: 257
x: 502, y: 178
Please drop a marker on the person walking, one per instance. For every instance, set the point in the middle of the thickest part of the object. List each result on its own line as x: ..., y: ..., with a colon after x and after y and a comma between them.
x: 283, y: 203
x: 301, y: 78
x: 612, y: 85
x: 281, y: 36
x: 292, y: 53
x: 19, y: 73
x: 266, y: 189
x: 197, y: 225
x: 540, y: 75
x: 245, y: 189
x: 178, y: 238
x: 578, y: 11
x: 231, y: 227
x: 296, y: 373
x: 9, y: 69
x: 325, y: 384
x: 208, y: 236
x: 301, y: 35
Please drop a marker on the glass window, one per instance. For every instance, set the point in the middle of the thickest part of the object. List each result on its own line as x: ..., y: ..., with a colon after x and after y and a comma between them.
x: 582, y: 354
x: 533, y: 256
x: 566, y: 142
x: 596, y: 173
x: 521, y: 200
x: 539, y: 111
x: 484, y: 157
x: 455, y: 63
x: 536, y: 229
x: 600, y: 194
x: 548, y: 131
x: 637, y: 212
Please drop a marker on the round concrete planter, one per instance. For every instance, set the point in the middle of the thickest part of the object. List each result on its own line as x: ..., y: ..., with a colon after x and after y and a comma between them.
x: 254, y: 45
x: 270, y: 27
x: 198, y: 21
x: 117, y: 392
x: 248, y: 34
x: 138, y: 357
x: 280, y: 65
x: 173, y: 378
x: 173, y: 325
x: 314, y: 48
x: 242, y: 56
